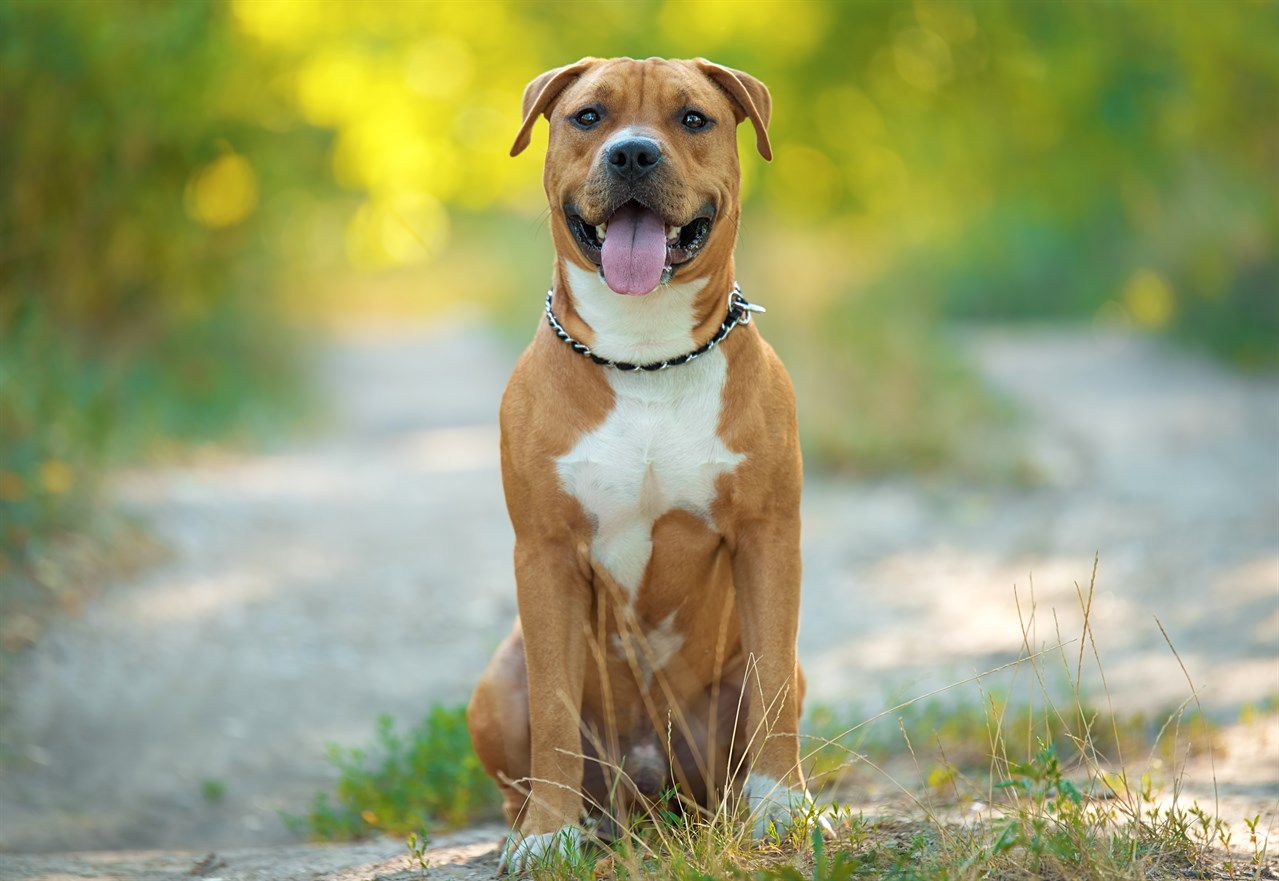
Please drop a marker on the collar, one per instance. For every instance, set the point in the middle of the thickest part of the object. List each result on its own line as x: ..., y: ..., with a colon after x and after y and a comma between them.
x: 739, y: 312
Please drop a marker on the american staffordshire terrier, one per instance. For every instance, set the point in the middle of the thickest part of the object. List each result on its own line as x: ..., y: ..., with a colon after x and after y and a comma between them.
x: 652, y: 474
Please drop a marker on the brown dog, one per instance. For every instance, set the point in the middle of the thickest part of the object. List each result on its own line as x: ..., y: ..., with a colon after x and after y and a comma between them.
x: 655, y: 494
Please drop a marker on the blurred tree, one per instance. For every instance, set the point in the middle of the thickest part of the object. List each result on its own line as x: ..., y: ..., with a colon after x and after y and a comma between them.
x: 1110, y: 161
x: 140, y: 170
x: 1011, y: 159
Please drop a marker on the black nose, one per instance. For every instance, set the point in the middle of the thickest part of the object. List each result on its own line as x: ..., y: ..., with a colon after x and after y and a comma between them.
x: 633, y: 158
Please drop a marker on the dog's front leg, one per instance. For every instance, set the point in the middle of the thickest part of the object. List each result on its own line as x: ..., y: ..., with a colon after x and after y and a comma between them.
x: 766, y: 572
x: 554, y: 603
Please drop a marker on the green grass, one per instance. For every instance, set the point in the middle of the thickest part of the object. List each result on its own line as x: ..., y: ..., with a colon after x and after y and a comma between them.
x: 957, y: 736
x: 1051, y: 787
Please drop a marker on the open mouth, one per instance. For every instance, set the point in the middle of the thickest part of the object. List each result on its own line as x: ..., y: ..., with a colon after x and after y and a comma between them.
x: 635, y: 248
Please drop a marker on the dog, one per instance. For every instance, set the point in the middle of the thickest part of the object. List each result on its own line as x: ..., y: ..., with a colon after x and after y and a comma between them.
x: 652, y: 473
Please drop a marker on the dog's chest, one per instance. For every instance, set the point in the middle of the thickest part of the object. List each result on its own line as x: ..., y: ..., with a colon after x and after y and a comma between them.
x: 658, y: 450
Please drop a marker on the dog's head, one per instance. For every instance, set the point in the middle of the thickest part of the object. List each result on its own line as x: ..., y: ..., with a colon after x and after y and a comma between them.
x: 641, y: 167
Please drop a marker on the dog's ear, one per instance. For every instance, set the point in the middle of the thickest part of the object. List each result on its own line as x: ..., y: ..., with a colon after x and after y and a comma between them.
x: 540, y: 93
x: 750, y: 97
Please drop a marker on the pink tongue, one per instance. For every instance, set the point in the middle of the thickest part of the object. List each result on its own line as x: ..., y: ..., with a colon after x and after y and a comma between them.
x: 634, y: 252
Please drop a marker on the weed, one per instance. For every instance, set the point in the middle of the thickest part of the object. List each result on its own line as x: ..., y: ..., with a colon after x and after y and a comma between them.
x: 427, y: 778
x: 1049, y: 824
x: 418, y: 847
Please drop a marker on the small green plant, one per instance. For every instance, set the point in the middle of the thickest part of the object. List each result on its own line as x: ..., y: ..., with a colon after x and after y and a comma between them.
x: 418, y: 847
x: 426, y: 778
x: 1048, y: 823
x: 213, y: 790
x: 1257, y: 841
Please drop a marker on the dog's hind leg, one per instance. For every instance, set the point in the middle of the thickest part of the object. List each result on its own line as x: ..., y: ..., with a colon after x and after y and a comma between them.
x: 498, y: 717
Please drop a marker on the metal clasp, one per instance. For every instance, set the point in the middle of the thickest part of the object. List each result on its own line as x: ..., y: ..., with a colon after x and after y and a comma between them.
x: 745, y: 306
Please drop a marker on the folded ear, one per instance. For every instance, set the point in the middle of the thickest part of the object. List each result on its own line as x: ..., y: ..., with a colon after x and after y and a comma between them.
x: 749, y: 95
x: 540, y: 93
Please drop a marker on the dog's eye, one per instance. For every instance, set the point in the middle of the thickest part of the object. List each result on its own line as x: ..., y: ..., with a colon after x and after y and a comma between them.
x: 693, y: 119
x: 587, y: 118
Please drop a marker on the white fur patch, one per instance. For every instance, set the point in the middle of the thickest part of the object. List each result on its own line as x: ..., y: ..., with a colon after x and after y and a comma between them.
x: 772, y: 803
x: 638, y: 330
x: 527, y: 853
x: 652, y: 651
x: 659, y: 448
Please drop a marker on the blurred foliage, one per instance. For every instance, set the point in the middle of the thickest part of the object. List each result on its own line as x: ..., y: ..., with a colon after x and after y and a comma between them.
x: 1004, y: 158
x: 1111, y: 162
x: 180, y: 182
x: 138, y: 175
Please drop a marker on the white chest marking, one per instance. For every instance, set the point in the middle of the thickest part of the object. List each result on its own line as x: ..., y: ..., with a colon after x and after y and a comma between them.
x: 659, y: 448
x: 638, y: 330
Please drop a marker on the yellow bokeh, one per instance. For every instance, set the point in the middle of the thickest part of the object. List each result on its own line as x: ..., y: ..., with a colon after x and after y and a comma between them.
x: 920, y: 118
x: 700, y: 27
x: 849, y: 115
x: 223, y: 193
x: 879, y: 178
x: 922, y: 58
x: 397, y: 150
x: 336, y: 85
x: 1149, y: 299
x: 56, y: 476
x: 397, y: 230
x: 272, y: 20
x: 952, y: 19
x: 810, y: 182
x: 440, y: 67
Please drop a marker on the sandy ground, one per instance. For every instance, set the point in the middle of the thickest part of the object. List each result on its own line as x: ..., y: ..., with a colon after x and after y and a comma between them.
x: 464, y: 856
x: 309, y: 588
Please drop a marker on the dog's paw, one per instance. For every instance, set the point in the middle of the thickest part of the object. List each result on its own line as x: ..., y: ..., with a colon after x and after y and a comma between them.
x: 522, y: 854
x: 776, y: 809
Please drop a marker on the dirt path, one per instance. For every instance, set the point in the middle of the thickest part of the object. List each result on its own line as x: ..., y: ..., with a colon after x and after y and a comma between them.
x: 310, y: 588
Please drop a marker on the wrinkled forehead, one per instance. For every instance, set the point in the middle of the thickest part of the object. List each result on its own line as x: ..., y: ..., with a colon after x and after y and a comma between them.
x: 626, y: 85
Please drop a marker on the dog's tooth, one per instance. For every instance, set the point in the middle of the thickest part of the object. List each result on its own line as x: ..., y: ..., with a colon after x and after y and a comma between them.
x: 673, y: 234
x: 601, y: 230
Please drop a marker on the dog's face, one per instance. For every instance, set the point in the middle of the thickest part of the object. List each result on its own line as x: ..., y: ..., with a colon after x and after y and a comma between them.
x: 641, y: 170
